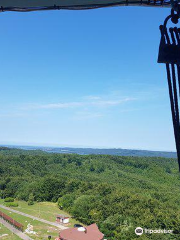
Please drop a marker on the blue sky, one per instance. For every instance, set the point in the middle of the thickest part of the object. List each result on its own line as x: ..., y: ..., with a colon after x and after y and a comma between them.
x: 84, y: 78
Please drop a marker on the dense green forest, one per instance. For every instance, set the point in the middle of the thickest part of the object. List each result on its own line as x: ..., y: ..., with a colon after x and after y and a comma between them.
x: 118, y: 193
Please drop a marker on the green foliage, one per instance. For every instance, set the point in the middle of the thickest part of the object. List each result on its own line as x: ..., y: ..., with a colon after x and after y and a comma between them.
x: 11, y: 204
x: 9, y: 199
x: 118, y: 193
x: 82, y: 207
x: 31, y: 199
x: 66, y: 202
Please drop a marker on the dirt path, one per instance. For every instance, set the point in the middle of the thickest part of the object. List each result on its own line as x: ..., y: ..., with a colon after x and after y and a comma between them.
x: 36, y: 218
x: 15, y: 231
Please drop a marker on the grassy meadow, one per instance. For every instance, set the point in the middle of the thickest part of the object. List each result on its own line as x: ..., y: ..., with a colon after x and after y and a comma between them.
x: 6, y: 234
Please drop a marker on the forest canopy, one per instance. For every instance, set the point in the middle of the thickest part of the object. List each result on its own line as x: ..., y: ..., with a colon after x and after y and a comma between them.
x: 117, y: 193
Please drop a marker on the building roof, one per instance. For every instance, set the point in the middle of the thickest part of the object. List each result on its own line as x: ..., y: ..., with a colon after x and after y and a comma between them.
x: 92, y: 233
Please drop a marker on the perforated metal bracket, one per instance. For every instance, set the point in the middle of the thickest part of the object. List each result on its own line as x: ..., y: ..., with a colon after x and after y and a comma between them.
x: 169, y: 53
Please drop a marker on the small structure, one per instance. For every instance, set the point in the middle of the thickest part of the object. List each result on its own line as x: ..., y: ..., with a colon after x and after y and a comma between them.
x: 30, y: 229
x: 62, y: 219
x: 83, y: 233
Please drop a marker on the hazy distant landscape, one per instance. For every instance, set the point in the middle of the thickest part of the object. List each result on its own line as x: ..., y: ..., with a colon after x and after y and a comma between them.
x: 103, y: 151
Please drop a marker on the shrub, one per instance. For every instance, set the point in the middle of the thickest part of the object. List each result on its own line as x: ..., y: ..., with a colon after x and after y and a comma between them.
x: 12, y: 204
x: 31, y: 199
x: 9, y: 199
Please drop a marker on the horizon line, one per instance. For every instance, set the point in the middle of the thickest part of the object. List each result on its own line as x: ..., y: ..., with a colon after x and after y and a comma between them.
x: 83, y: 147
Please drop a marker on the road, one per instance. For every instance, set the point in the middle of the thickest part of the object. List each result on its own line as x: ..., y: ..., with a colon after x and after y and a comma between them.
x: 15, y: 231
x: 35, y: 218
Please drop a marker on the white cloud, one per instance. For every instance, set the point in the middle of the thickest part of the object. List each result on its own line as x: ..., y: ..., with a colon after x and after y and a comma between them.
x: 93, y: 101
x: 54, y: 105
x: 107, y: 103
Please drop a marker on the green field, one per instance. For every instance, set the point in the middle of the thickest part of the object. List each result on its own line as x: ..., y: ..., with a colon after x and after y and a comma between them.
x: 5, y: 234
x: 42, y: 229
x: 44, y: 210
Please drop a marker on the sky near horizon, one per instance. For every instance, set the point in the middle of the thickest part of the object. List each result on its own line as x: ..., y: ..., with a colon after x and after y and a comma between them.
x: 84, y: 78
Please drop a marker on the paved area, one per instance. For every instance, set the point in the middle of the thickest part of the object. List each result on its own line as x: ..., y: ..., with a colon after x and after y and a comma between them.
x: 14, y: 230
x: 35, y: 218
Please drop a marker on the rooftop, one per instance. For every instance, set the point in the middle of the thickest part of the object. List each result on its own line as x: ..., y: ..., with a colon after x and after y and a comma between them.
x: 92, y: 233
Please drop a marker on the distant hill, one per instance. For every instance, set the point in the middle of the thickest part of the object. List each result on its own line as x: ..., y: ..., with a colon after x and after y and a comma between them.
x: 97, y: 151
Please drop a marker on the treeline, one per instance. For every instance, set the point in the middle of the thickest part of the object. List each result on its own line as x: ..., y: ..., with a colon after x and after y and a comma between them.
x: 118, y: 193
